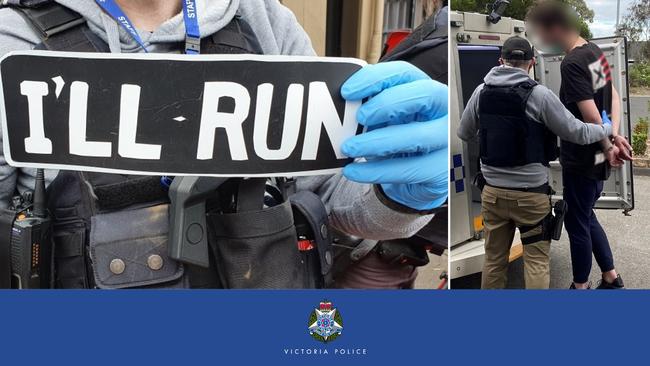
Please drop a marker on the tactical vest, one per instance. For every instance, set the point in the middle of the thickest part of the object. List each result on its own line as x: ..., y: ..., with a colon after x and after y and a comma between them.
x: 426, y: 47
x: 110, y: 230
x: 508, y: 137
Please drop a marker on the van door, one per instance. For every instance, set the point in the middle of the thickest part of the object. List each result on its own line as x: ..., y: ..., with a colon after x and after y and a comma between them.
x: 618, y: 192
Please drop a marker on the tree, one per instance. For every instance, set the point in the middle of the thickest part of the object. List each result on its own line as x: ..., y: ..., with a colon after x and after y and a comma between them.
x: 636, y: 25
x: 519, y: 8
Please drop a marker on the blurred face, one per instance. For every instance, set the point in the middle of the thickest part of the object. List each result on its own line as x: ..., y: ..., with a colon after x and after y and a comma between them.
x: 549, y: 39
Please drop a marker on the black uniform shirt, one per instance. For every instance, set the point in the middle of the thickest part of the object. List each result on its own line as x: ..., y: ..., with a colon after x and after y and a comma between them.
x: 585, y: 75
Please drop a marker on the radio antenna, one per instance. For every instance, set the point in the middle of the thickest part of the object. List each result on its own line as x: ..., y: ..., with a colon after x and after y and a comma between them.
x: 39, y: 194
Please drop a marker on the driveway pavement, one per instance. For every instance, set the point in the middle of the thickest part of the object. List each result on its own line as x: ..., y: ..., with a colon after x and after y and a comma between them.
x: 629, y: 237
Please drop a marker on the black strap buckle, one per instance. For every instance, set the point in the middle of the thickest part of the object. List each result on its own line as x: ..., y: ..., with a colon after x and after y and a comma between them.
x: 48, y: 17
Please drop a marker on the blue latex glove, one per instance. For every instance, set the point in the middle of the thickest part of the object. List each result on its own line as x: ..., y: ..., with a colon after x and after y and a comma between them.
x: 606, y: 120
x: 406, y: 143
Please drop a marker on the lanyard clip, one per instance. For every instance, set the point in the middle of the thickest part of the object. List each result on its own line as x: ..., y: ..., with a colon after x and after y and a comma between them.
x: 192, y: 45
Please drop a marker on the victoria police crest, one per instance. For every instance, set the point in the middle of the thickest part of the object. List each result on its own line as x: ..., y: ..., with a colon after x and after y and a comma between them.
x: 325, y: 322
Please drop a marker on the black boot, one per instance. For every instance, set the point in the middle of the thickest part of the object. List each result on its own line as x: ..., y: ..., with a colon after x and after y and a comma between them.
x: 616, y: 285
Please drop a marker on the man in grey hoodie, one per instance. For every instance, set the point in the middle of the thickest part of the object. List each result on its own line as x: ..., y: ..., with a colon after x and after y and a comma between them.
x: 519, y: 122
x: 373, y: 211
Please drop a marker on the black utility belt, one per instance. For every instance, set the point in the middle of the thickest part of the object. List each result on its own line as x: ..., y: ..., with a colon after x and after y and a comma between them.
x: 543, y: 189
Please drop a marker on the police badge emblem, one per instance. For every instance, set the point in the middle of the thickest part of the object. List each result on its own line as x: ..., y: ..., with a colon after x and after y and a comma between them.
x: 325, y: 322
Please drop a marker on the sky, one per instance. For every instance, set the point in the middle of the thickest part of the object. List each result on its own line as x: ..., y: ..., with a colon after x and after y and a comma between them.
x: 605, y: 20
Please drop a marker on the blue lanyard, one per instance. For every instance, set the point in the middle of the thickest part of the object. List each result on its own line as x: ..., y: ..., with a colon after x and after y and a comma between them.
x: 192, y: 32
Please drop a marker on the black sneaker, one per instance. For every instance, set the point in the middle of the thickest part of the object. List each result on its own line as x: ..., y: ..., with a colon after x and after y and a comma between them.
x: 573, y: 286
x: 616, y: 285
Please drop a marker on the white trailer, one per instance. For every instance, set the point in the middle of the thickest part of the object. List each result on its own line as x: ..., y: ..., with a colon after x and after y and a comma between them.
x: 475, y: 48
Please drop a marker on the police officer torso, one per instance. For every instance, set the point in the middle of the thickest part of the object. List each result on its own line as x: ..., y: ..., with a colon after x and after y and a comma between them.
x: 508, y: 137
x: 110, y: 231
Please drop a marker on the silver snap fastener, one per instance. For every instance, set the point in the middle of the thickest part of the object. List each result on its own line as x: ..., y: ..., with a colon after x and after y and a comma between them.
x: 117, y: 266
x: 328, y: 258
x: 155, y: 262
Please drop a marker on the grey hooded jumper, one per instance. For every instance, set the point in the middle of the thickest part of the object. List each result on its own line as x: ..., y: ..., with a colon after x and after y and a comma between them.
x: 543, y: 107
x: 354, y: 208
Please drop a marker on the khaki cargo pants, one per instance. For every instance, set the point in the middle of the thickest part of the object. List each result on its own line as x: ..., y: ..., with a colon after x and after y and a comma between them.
x: 503, y: 211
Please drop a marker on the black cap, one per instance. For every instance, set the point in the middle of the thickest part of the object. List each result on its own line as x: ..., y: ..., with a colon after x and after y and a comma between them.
x: 517, y: 48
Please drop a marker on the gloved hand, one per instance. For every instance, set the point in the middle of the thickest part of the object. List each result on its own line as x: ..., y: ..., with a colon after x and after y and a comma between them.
x: 406, y: 143
x: 606, y: 120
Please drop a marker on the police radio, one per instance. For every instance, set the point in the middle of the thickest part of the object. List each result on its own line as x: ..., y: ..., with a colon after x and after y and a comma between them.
x: 25, y: 230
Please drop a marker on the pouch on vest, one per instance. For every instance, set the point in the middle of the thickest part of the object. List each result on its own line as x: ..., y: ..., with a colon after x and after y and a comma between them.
x: 314, y: 239
x: 129, y: 249
x: 258, y: 246
x: 110, y: 231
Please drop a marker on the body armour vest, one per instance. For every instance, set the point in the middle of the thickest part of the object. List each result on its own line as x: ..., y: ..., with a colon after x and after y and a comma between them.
x: 508, y: 137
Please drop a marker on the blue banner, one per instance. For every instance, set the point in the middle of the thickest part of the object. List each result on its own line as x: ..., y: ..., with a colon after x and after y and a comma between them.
x: 276, y: 328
